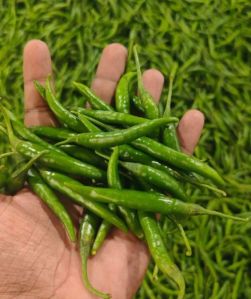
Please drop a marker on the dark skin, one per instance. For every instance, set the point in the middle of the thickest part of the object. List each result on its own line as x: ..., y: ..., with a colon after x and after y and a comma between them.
x: 37, y: 260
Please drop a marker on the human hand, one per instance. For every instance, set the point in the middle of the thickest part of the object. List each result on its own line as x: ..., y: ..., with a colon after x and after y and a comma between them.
x: 37, y: 260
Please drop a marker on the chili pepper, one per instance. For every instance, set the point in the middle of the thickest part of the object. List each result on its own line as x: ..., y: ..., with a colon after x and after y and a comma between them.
x: 95, y: 101
x: 60, y: 183
x: 22, y: 131
x: 169, y: 133
x: 87, y: 230
x: 51, y: 200
x: 108, y: 139
x: 137, y: 103
x: 61, y: 162
x: 129, y: 216
x: 128, y: 153
x: 112, y: 117
x: 17, y: 178
x: 177, y: 159
x: 159, y: 252
x: 157, y: 178
x: 149, y: 106
x: 113, y: 182
x: 63, y: 115
x: 83, y: 154
x: 145, y: 201
x: 53, y: 159
x: 88, y: 124
x: 52, y: 132
x: 122, y: 94
x: 100, y: 124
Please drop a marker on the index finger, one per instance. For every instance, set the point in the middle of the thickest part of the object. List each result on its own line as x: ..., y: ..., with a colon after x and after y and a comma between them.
x: 36, y: 66
x: 110, y: 68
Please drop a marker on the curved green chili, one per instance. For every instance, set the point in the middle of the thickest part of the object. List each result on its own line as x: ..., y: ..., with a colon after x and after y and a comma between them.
x: 112, y: 117
x: 159, y: 252
x: 150, y: 108
x: 83, y: 154
x: 63, y: 115
x: 87, y: 231
x: 113, y: 182
x: 94, y: 100
x: 62, y: 184
x: 108, y: 139
x: 51, y: 200
x: 177, y: 159
x: 157, y: 178
x: 52, y: 133
x: 122, y: 94
x: 17, y: 178
x: 169, y: 133
x: 129, y: 216
x: 145, y: 201
x: 53, y: 159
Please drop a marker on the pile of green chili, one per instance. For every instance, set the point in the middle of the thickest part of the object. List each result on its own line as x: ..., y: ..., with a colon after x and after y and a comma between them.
x: 123, y: 164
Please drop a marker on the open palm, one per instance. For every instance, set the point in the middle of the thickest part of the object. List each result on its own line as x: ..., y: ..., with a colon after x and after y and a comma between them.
x: 36, y: 258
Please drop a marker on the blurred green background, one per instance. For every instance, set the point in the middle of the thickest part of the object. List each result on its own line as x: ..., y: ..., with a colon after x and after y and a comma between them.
x: 211, y: 42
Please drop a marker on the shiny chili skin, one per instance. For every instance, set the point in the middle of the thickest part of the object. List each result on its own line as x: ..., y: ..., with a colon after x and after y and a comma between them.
x: 94, y: 100
x: 158, y: 178
x: 177, y: 159
x: 17, y: 177
x: 137, y: 103
x: 159, y: 252
x: 144, y: 201
x: 52, y: 133
x: 169, y: 136
x: 108, y: 139
x: 58, y: 161
x: 122, y: 94
x: 87, y: 231
x: 63, y: 115
x: 113, y: 182
x: 47, y: 195
x: 150, y: 107
x: 129, y: 215
x: 62, y: 184
x: 83, y: 154
x: 112, y: 117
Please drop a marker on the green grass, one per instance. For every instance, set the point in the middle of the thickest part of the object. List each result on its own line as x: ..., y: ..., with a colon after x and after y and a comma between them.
x: 211, y: 42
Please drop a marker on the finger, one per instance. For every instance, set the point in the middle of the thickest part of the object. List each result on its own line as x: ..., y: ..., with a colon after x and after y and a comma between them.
x: 189, y: 130
x: 36, y: 66
x: 153, y: 82
x: 110, y: 68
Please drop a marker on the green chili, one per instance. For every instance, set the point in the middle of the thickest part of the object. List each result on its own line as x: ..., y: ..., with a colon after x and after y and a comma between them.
x: 122, y: 94
x: 145, y: 201
x: 51, y: 200
x: 51, y: 132
x: 157, y: 178
x: 177, y: 159
x: 169, y: 133
x: 17, y: 178
x: 149, y: 106
x: 53, y: 159
x: 108, y: 139
x: 159, y: 252
x: 62, y: 184
x: 95, y: 101
x: 87, y: 230
x: 63, y: 115
x: 112, y: 117
x: 83, y: 154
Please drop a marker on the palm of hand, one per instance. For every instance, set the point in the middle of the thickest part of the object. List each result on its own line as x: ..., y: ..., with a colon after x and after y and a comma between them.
x: 37, y: 260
